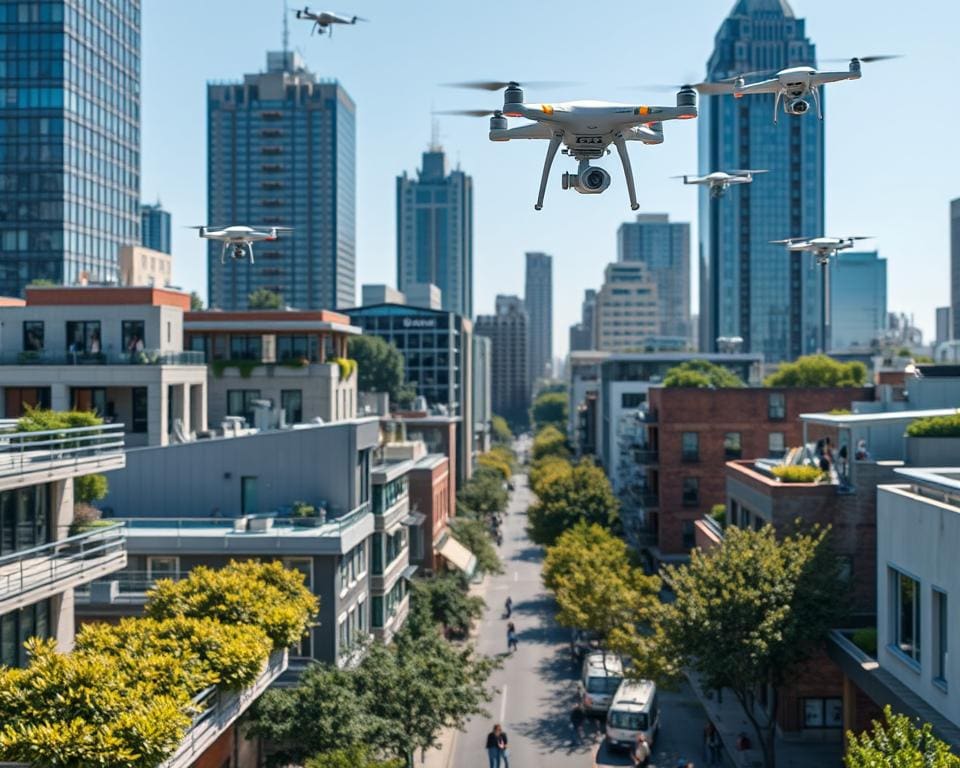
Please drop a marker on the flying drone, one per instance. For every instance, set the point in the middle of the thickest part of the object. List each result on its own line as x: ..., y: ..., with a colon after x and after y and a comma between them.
x: 822, y: 248
x: 795, y: 86
x: 324, y: 20
x: 240, y: 239
x: 586, y: 128
x: 719, y: 181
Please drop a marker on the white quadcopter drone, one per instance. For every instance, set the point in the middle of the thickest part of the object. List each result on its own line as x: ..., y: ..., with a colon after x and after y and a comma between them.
x: 719, y: 181
x: 586, y: 128
x: 795, y: 86
x: 821, y: 247
x: 324, y: 20
x: 240, y: 239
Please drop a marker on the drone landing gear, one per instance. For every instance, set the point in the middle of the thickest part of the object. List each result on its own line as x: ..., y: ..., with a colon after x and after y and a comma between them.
x: 621, y: 146
x: 776, y: 106
x: 547, y: 163
x: 815, y: 92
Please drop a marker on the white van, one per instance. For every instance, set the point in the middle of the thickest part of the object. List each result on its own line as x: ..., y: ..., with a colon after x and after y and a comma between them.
x: 634, y: 709
x: 599, y: 680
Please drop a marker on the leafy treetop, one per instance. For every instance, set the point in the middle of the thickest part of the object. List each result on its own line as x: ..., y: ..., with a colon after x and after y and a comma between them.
x: 196, y: 303
x: 818, y: 371
x: 898, y: 742
x: 380, y: 367
x: 935, y: 426
x: 549, y: 441
x: 501, y: 430
x: 264, y: 298
x: 583, y: 493
x: 550, y: 408
x: 701, y: 374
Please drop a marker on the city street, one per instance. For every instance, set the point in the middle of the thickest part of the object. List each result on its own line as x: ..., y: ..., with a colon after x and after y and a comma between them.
x: 537, y: 684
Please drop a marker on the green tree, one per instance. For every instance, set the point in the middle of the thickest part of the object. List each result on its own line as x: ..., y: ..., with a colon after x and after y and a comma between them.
x: 548, y: 470
x: 549, y: 441
x: 898, y: 742
x: 582, y: 494
x: 473, y: 535
x: 352, y: 757
x: 701, y: 374
x: 747, y: 614
x: 90, y: 488
x: 497, y: 463
x: 448, y: 602
x: 501, y: 430
x: 264, y: 298
x: 381, y: 368
x: 549, y: 409
x: 818, y: 371
x: 196, y: 303
x: 44, y: 420
x: 483, y: 494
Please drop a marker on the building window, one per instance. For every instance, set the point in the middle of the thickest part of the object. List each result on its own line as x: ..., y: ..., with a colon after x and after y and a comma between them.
x: 246, y: 348
x: 132, y: 333
x: 291, y: 400
x: 363, y: 467
x: 16, y: 400
x: 89, y: 399
x: 296, y: 348
x: 376, y: 618
x: 905, y: 612
x: 33, y: 336
x: 138, y: 397
x: 940, y: 630
x: 240, y: 403
x: 83, y: 337
x: 17, y: 627
x: 823, y: 713
x: 24, y: 516
x: 691, y: 492
x: 777, y: 406
x: 162, y: 568
x: 632, y: 399
x: 690, y: 446
x: 249, y: 503
x: 776, y: 445
x: 689, y: 534
x: 732, y: 448
x: 378, y: 554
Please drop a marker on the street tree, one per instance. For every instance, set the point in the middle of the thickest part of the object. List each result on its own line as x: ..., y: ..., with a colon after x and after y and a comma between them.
x: 264, y: 298
x: 549, y: 441
x: 898, y: 742
x: 380, y: 368
x: 582, y: 494
x: 748, y: 613
x: 484, y: 493
x: 196, y: 303
x: 548, y: 470
x: 497, y: 463
x: 549, y: 409
x: 501, y: 430
x: 818, y: 371
x: 448, y: 602
x: 351, y: 757
x: 474, y: 535
x: 701, y: 374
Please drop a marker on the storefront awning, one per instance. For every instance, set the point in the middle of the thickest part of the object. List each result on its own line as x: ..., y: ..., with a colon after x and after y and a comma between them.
x: 414, y: 518
x: 458, y: 555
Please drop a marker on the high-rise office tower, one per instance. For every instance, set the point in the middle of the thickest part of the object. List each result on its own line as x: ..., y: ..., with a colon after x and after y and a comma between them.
x: 70, y: 158
x: 435, y: 231
x: 281, y: 151
x: 155, y: 228
x: 749, y: 287
x: 627, y: 313
x: 582, y: 333
x: 858, y: 300
x: 664, y: 248
x: 955, y: 268
x: 508, y: 331
x: 944, y: 326
x: 538, y: 298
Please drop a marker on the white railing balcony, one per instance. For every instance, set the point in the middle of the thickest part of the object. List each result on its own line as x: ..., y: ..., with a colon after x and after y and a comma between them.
x: 40, y: 572
x: 30, y: 458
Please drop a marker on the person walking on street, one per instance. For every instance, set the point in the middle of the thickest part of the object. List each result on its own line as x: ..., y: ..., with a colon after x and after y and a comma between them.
x: 502, y: 746
x: 715, y: 747
x: 641, y: 751
x: 493, y: 747
x: 511, y: 638
x: 508, y: 606
x: 577, y: 717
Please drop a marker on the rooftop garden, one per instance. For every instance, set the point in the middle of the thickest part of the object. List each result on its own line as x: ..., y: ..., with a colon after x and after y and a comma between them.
x: 124, y: 698
x: 935, y: 426
x: 792, y: 473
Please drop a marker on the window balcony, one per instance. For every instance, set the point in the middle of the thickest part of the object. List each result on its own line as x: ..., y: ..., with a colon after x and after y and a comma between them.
x: 38, y: 573
x: 144, y: 357
x: 29, y: 458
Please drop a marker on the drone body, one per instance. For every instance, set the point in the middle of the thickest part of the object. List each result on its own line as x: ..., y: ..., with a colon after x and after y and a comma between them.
x: 586, y: 129
x: 720, y: 181
x: 821, y: 247
x: 239, y: 238
x: 323, y: 21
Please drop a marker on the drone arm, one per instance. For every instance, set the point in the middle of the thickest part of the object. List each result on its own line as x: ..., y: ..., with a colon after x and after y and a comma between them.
x: 648, y: 133
x: 555, y: 141
x: 531, y: 131
x: 822, y: 78
x: 764, y: 86
x: 621, y: 146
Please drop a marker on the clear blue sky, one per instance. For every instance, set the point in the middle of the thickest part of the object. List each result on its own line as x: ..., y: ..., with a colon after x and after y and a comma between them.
x: 892, y: 159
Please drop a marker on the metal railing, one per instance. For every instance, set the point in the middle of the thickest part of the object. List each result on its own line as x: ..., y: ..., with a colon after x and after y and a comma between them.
x: 132, y: 586
x: 23, y: 452
x: 142, y: 357
x: 646, y: 455
x: 62, y: 560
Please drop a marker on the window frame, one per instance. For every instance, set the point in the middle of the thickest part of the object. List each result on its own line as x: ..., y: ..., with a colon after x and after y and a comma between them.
x: 687, y: 454
x: 776, y: 453
x: 777, y: 412
x: 732, y: 453
x: 910, y: 653
x: 940, y: 635
x: 297, y: 416
x: 822, y: 702
x: 31, y: 325
x: 686, y: 499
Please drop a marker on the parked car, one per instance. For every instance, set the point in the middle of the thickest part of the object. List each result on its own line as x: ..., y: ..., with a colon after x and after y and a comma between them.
x: 600, y: 678
x: 634, y: 709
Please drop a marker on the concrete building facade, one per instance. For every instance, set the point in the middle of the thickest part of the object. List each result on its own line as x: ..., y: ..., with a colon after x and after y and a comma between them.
x: 509, y: 334
x: 144, y: 266
x: 627, y: 314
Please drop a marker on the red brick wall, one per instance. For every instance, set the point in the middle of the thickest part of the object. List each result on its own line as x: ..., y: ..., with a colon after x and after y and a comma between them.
x: 712, y: 413
x: 99, y: 296
x: 817, y: 678
x: 430, y: 494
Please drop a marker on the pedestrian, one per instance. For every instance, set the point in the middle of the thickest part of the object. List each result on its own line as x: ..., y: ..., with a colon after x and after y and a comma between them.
x: 493, y: 747
x: 707, y: 728
x: 715, y: 745
x: 824, y: 464
x: 511, y: 638
x: 502, y: 746
x: 508, y: 606
x: 577, y: 717
x: 862, y: 453
x: 641, y: 751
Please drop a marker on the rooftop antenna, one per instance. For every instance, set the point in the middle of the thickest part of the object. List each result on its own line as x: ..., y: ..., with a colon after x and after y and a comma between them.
x: 286, y: 29
x: 435, y: 135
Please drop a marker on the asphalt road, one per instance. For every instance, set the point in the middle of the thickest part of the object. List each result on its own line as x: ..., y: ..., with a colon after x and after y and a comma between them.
x: 537, y: 684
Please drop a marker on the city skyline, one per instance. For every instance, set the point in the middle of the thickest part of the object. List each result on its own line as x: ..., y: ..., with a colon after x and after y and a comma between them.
x: 394, y: 126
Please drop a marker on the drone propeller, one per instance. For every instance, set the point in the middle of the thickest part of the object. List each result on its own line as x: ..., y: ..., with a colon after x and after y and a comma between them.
x: 498, y: 85
x: 358, y: 18
x: 705, y: 88
x: 470, y: 112
x: 866, y: 59
x: 749, y: 170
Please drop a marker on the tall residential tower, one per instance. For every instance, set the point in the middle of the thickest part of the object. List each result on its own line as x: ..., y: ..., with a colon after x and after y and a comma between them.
x: 281, y: 151
x: 69, y: 140
x: 538, y: 298
x: 155, y: 228
x: 509, y: 333
x: 435, y: 231
x: 749, y: 287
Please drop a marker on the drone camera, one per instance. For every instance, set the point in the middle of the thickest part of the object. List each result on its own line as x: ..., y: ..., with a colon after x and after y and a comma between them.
x: 591, y: 181
x: 797, y: 107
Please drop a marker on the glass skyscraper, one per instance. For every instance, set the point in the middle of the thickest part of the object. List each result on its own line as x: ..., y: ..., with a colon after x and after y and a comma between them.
x: 69, y: 139
x: 155, y: 228
x: 748, y: 287
x: 435, y: 231
x: 858, y: 299
x: 281, y: 151
x: 538, y: 298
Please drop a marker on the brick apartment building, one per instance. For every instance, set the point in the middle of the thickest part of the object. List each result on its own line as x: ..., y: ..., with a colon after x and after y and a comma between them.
x: 690, y: 435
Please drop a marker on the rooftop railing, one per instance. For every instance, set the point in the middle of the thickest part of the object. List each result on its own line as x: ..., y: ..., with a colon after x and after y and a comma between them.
x: 142, y: 357
x: 25, y: 452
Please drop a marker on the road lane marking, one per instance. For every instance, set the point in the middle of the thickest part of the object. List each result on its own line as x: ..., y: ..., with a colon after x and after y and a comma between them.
x: 503, y: 704
x: 516, y: 575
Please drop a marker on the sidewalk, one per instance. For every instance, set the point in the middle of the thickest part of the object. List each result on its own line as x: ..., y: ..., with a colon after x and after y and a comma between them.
x: 730, y: 721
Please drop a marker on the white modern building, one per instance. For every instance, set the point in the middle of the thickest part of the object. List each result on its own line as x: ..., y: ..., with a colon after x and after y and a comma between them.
x: 627, y: 313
